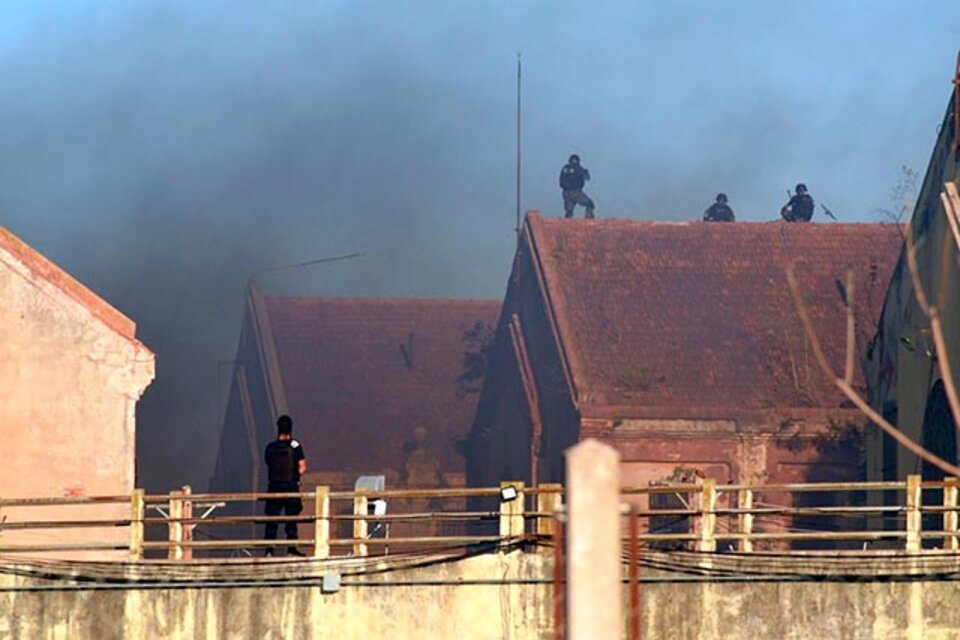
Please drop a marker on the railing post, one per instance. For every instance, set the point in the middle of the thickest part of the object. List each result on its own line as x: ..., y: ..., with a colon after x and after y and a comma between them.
x: 708, y: 515
x: 136, y: 524
x: 321, y: 523
x: 360, y: 525
x: 511, y: 513
x: 745, y: 519
x: 950, y: 513
x: 548, y: 501
x: 174, y: 526
x: 914, y: 500
x: 187, y: 510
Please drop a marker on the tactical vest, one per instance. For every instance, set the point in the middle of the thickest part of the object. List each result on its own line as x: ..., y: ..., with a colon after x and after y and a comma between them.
x: 281, y: 463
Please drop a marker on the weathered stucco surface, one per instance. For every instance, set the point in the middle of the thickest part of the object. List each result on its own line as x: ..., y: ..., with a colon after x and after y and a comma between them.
x: 771, y: 597
x: 70, y: 376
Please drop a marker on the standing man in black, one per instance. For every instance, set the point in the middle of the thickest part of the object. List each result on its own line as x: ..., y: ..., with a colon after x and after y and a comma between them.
x: 285, y: 464
x: 800, y: 206
x: 572, y: 178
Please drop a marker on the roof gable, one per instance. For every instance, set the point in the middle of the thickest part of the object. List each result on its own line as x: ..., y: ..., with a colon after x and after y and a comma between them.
x: 46, y: 270
x: 699, y: 314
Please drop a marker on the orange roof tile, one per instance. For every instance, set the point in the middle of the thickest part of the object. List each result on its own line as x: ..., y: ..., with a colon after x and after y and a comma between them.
x: 360, y: 374
x: 699, y: 314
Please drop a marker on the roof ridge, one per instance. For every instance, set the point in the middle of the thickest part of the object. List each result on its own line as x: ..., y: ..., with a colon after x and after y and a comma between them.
x: 386, y: 299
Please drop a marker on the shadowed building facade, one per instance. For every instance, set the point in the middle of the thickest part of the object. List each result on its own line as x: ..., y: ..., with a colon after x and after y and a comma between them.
x: 906, y: 384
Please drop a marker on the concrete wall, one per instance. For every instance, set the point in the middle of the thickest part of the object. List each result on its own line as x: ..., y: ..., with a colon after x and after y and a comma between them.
x: 70, y: 376
x: 759, y: 597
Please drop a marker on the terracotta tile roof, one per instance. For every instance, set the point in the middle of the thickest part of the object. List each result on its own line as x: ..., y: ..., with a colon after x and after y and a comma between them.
x: 361, y: 374
x: 47, y: 270
x: 698, y: 314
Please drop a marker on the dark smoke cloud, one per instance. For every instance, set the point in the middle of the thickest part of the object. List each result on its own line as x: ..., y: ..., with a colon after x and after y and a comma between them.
x: 165, y: 152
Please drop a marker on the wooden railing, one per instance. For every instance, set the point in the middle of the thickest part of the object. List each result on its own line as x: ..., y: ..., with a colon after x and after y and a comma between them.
x: 910, y: 515
x: 742, y: 518
x: 186, y: 525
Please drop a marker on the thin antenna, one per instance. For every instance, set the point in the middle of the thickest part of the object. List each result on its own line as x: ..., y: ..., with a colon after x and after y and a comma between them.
x: 519, y: 54
x: 299, y: 265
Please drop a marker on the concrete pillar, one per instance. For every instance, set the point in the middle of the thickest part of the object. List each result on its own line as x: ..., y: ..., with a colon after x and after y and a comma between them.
x: 595, y: 595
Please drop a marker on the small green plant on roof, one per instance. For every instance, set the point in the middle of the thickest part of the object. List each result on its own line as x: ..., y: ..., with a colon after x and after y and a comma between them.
x: 635, y: 376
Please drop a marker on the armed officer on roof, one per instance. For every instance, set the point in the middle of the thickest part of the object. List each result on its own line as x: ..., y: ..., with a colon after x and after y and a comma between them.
x: 800, y: 206
x: 719, y: 211
x: 286, y: 462
x: 572, y: 178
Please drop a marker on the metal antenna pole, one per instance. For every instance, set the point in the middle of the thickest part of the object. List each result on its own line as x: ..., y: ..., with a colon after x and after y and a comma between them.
x: 518, y: 140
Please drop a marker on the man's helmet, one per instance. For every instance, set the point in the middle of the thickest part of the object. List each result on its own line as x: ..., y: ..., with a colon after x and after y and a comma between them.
x: 574, y: 159
x: 721, y: 197
x: 801, y: 188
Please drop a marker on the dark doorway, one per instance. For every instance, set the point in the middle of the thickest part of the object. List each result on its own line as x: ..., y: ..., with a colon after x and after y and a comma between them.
x: 939, y: 438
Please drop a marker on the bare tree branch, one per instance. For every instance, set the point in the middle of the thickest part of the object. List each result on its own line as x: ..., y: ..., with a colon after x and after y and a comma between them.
x: 851, y: 393
x: 951, y: 206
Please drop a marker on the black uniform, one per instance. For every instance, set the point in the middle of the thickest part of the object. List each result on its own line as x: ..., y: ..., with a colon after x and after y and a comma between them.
x: 283, y: 471
x: 799, y: 209
x: 572, y: 179
x: 719, y: 212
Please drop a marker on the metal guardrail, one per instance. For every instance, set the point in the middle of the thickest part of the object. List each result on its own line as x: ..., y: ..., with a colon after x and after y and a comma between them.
x: 707, y: 515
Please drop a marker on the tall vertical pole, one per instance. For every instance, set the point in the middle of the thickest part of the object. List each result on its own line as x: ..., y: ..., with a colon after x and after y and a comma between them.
x: 518, y: 139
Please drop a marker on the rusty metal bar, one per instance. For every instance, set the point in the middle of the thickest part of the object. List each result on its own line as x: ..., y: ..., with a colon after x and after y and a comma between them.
x: 45, y: 502
x: 222, y: 544
x: 634, y: 615
x: 62, y: 524
x: 82, y: 546
x: 559, y: 569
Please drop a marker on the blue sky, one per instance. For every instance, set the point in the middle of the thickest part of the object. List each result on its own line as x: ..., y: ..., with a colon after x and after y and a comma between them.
x: 164, y: 151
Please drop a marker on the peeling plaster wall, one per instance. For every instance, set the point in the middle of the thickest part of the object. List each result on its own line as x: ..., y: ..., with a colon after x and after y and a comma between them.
x: 69, y: 384
x: 849, y: 598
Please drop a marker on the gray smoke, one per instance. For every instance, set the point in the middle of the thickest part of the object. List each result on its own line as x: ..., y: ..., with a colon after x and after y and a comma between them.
x: 165, y: 152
